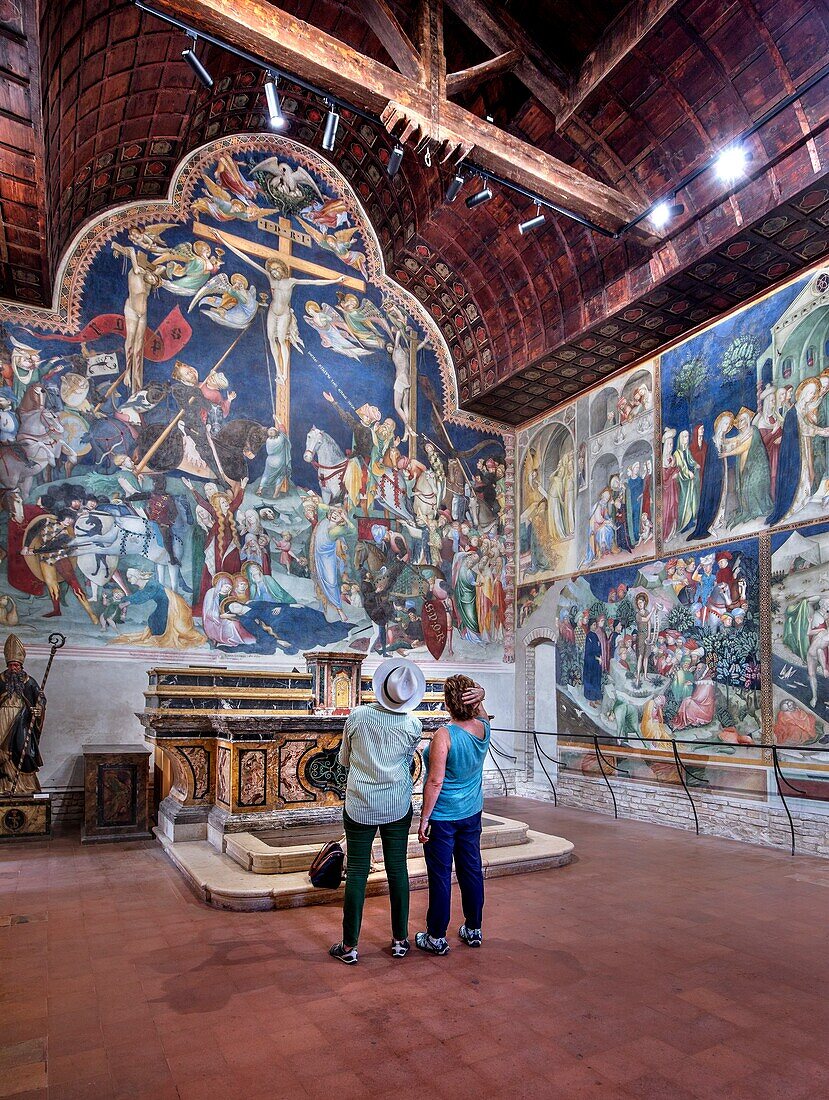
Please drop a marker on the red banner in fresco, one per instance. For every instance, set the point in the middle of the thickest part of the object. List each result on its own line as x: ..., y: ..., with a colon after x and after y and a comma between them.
x: 167, y: 340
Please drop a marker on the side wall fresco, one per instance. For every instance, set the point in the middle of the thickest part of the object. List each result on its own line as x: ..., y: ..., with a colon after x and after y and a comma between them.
x: 716, y: 631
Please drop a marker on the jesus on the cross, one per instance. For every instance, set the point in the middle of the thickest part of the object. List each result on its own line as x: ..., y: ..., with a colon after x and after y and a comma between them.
x: 281, y: 326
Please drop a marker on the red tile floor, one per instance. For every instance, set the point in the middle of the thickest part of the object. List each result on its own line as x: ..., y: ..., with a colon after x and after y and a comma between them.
x: 656, y: 965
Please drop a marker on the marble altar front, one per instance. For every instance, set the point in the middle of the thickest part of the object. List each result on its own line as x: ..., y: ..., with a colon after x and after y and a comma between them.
x: 252, y: 750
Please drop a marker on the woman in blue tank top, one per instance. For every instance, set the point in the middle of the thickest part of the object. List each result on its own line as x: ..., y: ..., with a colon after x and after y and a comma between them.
x: 450, y: 821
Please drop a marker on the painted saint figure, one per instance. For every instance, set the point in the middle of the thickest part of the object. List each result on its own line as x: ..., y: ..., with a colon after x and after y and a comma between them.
x: 713, y: 492
x: 687, y: 471
x: 596, y: 661
x: 22, y: 706
x: 753, y: 473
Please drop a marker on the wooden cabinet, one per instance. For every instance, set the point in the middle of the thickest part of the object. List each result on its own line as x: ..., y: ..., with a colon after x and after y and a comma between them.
x: 116, y: 795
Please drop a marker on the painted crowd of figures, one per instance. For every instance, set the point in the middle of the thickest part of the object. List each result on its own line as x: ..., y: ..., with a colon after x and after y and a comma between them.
x: 134, y: 491
x: 674, y: 654
x: 761, y: 466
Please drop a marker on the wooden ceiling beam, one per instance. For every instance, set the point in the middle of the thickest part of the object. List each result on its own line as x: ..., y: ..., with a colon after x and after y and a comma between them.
x: 294, y: 46
x: 397, y: 44
x: 466, y: 80
x: 499, y: 32
x: 623, y: 34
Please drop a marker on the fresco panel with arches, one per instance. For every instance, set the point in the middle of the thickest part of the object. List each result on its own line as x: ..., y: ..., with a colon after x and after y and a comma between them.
x: 235, y: 433
x: 587, y: 490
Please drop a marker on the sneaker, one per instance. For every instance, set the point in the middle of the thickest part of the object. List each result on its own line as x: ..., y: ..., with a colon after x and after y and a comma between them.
x: 339, y: 952
x: 400, y: 948
x: 435, y: 947
x: 471, y: 936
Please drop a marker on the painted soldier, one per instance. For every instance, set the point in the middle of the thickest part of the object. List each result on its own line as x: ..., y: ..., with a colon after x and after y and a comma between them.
x: 161, y: 507
x: 22, y: 706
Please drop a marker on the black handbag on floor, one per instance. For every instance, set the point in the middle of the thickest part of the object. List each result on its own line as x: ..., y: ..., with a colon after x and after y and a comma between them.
x: 326, y: 871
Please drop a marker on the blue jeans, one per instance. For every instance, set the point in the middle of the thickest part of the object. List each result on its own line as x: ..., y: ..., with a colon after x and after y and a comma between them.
x: 461, y: 840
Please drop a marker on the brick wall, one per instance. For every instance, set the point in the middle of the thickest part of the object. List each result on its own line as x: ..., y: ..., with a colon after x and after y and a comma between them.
x: 746, y: 820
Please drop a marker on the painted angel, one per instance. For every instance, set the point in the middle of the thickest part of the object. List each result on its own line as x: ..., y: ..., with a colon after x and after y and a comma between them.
x: 366, y: 323
x: 229, y: 177
x: 151, y: 237
x: 331, y: 214
x: 188, y: 267
x: 340, y: 243
x: 225, y: 207
x: 333, y: 331
x: 229, y: 301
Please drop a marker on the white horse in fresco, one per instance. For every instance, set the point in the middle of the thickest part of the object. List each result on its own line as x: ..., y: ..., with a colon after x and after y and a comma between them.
x: 101, y: 539
x: 324, y: 453
x: 41, y: 440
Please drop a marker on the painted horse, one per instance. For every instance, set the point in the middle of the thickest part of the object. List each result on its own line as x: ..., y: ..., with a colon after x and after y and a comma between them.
x: 102, y: 538
x: 326, y: 456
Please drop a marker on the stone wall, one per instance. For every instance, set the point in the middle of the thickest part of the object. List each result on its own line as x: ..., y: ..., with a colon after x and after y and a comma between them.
x: 750, y: 821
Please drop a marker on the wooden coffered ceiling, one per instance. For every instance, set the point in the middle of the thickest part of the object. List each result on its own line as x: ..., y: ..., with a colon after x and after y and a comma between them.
x: 600, y: 105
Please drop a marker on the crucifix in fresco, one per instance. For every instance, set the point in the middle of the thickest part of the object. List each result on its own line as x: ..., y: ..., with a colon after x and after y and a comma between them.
x: 281, y: 324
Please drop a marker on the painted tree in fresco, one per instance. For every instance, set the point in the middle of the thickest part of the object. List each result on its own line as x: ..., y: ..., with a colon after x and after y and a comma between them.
x: 740, y: 357
x: 690, y: 381
x: 625, y: 613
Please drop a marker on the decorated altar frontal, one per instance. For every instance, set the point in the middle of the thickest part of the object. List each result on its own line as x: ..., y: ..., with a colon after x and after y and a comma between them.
x: 257, y: 787
x: 254, y: 750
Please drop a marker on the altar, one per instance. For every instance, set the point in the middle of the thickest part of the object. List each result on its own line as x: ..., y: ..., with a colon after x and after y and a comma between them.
x: 255, y: 750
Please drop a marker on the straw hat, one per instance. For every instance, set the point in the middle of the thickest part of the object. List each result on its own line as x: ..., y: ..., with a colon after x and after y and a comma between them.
x: 398, y: 684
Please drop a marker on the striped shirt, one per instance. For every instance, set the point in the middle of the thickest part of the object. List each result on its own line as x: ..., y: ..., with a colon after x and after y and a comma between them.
x: 377, y: 749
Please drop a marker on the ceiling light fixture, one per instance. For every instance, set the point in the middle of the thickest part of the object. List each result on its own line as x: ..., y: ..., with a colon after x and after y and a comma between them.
x: 453, y: 190
x: 665, y: 211
x: 332, y: 122
x: 395, y: 160
x: 532, y: 223
x: 732, y: 162
x: 201, y: 72
x: 277, y: 119
x: 480, y: 197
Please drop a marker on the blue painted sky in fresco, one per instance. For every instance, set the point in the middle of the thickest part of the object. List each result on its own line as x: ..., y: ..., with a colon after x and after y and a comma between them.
x: 721, y: 393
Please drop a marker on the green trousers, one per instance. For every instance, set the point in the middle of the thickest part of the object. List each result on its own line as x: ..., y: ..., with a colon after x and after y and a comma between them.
x: 359, y: 839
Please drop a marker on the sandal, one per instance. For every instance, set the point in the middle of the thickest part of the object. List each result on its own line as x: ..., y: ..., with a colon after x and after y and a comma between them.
x: 435, y: 947
x: 339, y: 952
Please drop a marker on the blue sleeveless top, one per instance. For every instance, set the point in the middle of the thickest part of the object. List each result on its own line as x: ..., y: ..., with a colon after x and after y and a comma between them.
x: 462, y: 794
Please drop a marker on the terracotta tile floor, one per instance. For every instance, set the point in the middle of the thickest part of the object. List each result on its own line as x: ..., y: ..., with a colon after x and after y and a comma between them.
x: 656, y: 965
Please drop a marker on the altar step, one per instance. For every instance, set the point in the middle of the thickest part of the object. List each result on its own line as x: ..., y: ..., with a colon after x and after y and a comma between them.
x: 220, y: 881
x: 277, y: 851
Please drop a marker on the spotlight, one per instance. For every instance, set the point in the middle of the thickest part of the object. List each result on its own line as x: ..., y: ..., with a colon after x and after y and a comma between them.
x: 332, y: 122
x: 395, y: 160
x: 482, y: 196
x: 201, y: 72
x: 274, y: 106
x: 665, y: 211
x: 453, y: 190
x: 531, y: 223
x: 731, y: 163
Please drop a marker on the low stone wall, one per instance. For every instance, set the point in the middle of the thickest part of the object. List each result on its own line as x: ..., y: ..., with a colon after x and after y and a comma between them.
x: 747, y: 820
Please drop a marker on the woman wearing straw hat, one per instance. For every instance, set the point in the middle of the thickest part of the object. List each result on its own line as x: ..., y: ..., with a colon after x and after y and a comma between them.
x: 378, y: 746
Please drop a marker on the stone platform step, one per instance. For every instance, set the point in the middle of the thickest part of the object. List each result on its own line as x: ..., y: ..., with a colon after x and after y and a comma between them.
x: 281, y: 851
x: 220, y: 882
